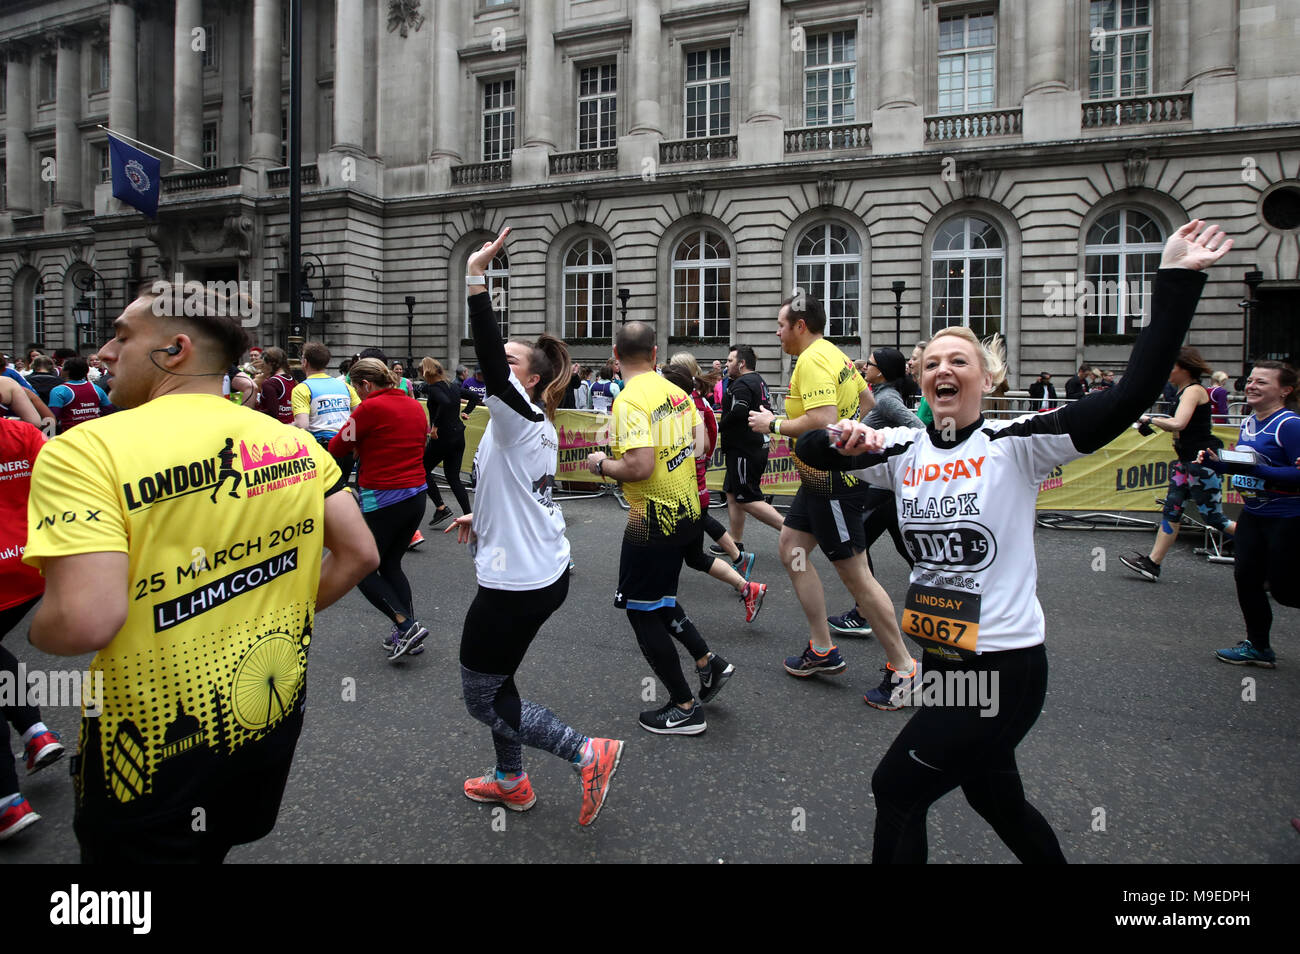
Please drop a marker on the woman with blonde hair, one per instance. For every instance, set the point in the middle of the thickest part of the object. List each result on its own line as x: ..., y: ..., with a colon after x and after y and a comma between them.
x: 967, y: 489
x: 1219, y: 397
x: 386, y: 433
x: 446, y: 443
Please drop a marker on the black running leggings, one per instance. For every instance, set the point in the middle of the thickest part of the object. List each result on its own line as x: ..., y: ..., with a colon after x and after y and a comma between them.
x: 655, y: 631
x: 499, y: 628
x: 449, y: 453
x: 943, y: 747
x: 881, y: 517
x: 21, y: 717
x: 1265, y: 551
x: 695, y: 556
x: 387, y: 588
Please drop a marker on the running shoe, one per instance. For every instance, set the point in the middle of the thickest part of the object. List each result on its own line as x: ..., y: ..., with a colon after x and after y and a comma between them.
x: 671, y: 720
x: 744, y: 564
x: 390, y: 643
x: 894, y: 690
x: 415, y: 540
x: 44, y: 749
x: 1142, y: 565
x: 752, y: 596
x: 716, y: 549
x: 714, y: 676
x: 849, y: 624
x: 596, y: 777
x: 487, y: 788
x: 16, y: 816
x: 439, y: 515
x: 408, y: 639
x: 1245, y: 654
x: 813, y: 663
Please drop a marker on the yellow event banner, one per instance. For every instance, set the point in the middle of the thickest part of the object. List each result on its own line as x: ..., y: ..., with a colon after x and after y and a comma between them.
x: 1129, y: 473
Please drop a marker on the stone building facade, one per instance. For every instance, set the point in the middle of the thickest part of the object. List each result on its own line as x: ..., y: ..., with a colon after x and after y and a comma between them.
x: 1010, y: 164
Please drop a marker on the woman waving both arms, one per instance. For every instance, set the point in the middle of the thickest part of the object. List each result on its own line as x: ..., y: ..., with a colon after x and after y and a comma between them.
x: 521, y: 557
x: 966, y: 490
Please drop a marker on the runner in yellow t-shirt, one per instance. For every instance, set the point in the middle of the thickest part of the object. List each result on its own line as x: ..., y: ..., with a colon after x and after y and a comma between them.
x: 181, y: 541
x: 655, y: 436
x: 827, y: 509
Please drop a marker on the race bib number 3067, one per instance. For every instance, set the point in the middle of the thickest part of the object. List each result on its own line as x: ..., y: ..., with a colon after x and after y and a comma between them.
x: 942, y: 616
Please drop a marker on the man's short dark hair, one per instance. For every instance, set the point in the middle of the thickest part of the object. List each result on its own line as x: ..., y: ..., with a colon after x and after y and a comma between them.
x: 373, y: 353
x: 76, y: 368
x: 316, y: 356
x: 812, y: 314
x: 63, y: 354
x: 746, y: 354
x: 218, y: 323
x: 635, y: 340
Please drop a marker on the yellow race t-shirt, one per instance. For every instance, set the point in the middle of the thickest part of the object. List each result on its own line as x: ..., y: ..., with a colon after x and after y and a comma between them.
x: 220, y: 509
x: 651, y: 412
x: 823, y: 376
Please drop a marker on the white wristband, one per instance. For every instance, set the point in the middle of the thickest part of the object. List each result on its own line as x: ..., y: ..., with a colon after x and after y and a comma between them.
x: 473, y: 280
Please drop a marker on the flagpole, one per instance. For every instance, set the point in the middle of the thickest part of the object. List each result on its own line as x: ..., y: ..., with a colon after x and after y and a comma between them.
x: 145, y: 145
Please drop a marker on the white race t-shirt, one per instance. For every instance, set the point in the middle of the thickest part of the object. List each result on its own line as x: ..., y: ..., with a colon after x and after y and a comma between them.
x: 521, y: 543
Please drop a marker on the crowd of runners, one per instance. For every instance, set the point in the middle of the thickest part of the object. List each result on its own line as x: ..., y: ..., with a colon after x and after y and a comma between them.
x: 138, y: 548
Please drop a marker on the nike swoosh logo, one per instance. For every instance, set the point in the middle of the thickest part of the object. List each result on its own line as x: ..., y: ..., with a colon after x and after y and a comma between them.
x: 670, y: 724
x: 912, y: 753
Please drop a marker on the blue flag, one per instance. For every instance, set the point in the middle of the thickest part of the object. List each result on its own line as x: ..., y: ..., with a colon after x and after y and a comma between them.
x: 136, y: 178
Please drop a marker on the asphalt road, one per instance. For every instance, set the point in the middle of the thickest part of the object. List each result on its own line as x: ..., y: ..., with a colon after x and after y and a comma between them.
x: 1146, y: 750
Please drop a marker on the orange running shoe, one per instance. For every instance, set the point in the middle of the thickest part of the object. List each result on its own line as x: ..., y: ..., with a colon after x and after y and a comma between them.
x: 596, y: 777
x: 752, y: 596
x: 415, y: 540
x: 488, y: 789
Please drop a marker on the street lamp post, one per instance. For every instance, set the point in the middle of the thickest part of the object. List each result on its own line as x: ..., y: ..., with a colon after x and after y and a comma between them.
x: 898, y: 288
x: 623, y: 295
x: 306, y: 300
x: 410, y: 326
x: 1248, y: 306
x: 85, y: 312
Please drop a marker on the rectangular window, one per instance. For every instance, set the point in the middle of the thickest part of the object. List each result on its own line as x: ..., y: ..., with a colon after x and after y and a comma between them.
x: 967, y: 54
x: 45, y: 161
x: 49, y: 84
x: 105, y: 170
x: 211, y: 46
x: 597, y: 106
x: 284, y: 136
x: 211, y: 146
x: 1119, y: 61
x: 498, y: 119
x: 99, y: 68
x: 708, y: 93
x: 829, y: 78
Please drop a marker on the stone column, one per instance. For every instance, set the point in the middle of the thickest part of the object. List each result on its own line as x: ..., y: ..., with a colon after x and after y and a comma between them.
x: 1213, y: 79
x: 67, y: 111
x: 18, y: 119
x: 898, y: 125
x: 1050, y: 109
x: 121, y: 67
x: 541, y: 88
x: 266, y: 83
x: 349, y: 76
x: 638, y: 151
x: 445, y: 96
x: 765, y: 89
x: 187, y: 114
x: 645, y: 68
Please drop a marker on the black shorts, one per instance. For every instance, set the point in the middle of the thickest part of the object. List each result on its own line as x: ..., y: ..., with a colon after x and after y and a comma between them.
x: 647, y: 575
x: 837, y: 524
x: 744, y: 476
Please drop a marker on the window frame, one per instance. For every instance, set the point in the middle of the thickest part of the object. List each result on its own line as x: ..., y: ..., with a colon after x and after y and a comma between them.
x: 677, y: 265
x: 709, y: 81
x: 484, y: 82
x: 104, y: 162
x: 851, y: 64
x: 599, y: 97
x: 965, y: 51
x: 1123, y: 327
x: 39, y: 314
x: 1118, y: 33
x: 827, y: 261
x: 47, y: 93
x: 965, y: 255
x: 215, y: 126
x: 586, y: 275
x: 211, y: 58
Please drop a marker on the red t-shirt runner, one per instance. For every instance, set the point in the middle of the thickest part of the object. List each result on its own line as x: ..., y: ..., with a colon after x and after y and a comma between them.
x: 20, y: 442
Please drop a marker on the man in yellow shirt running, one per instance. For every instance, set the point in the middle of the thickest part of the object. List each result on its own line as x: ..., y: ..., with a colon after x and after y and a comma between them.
x: 828, y: 508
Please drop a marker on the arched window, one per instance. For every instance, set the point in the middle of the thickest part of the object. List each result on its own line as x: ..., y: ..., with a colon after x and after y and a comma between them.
x: 589, y: 290
x: 967, y: 264
x: 702, y: 286
x: 1121, y: 256
x: 38, y: 312
x: 827, y: 264
x: 498, y: 286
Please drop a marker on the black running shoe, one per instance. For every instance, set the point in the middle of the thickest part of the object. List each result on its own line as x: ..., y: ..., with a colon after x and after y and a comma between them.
x: 440, y: 515
x: 1142, y: 565
x: 671, y: 720
x: 714, y: 676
